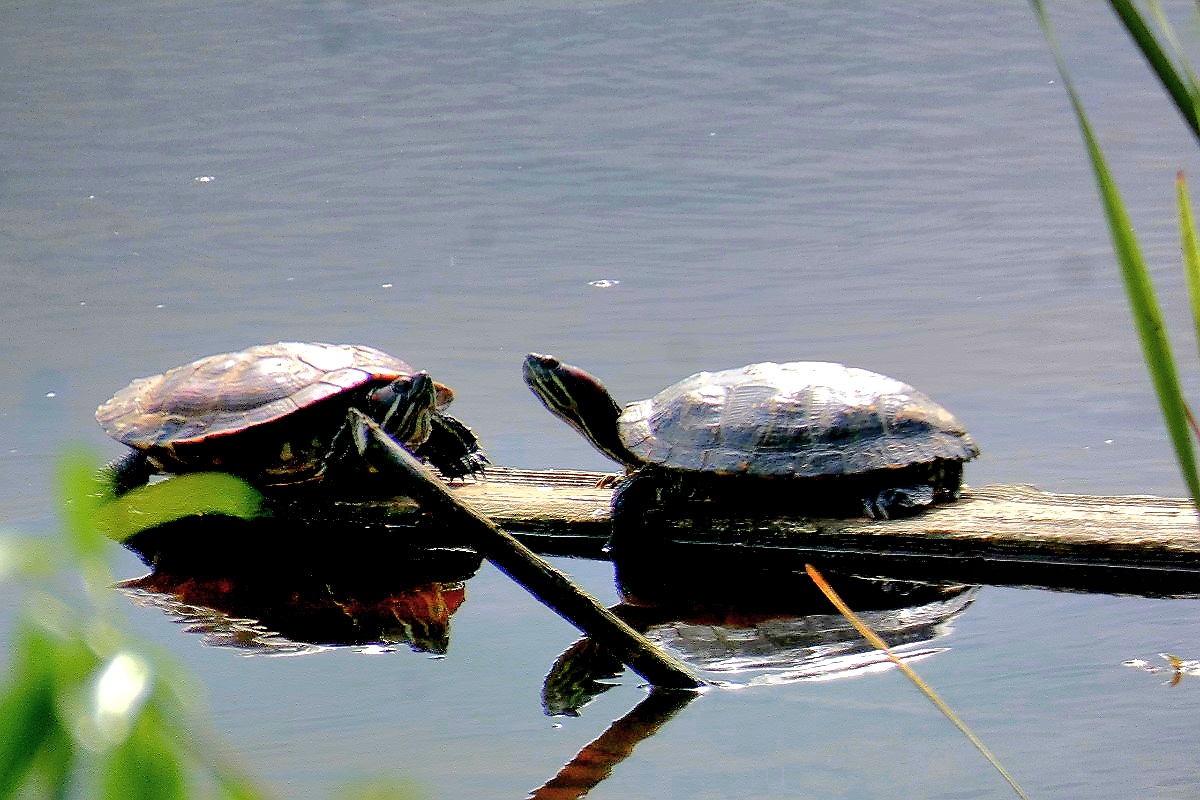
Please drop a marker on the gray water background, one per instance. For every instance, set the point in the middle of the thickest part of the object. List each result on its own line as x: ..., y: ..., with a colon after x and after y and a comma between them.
x: 896, y: 186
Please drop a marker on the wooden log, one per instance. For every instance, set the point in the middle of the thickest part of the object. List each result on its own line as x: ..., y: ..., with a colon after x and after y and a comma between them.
x: 1000, y: 534
x: 1017, y: 516
x: 542, y: 580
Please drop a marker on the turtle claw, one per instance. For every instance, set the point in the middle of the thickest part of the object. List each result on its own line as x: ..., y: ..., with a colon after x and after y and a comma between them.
x: 469, y: 466
x: 610, y: 481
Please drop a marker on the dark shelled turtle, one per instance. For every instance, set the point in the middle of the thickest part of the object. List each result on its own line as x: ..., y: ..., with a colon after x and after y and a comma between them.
x: 277, y: 414
x: 849, y: 440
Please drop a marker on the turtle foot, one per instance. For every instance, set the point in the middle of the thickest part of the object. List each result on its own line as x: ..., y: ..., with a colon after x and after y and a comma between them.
x: 453, y: 448
x: 469, y: 465
x: 611, y: 481
x: 899, y: 501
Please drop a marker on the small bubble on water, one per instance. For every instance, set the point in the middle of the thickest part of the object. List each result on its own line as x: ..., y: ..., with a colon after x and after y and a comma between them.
x: 603, y: 283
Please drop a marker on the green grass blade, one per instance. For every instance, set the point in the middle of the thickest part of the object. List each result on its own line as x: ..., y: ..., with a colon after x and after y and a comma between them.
x: 1156, y: 350
x: 1191, y: 250
x: 1168, y: 33
x: 1185, y: 97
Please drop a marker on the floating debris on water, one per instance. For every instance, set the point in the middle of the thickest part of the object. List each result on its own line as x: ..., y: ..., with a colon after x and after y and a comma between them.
x: 204, y: 178
x: 1177, y: 667
x: 603, y: 283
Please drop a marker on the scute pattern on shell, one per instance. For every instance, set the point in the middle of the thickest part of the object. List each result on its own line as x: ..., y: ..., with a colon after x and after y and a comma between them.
x: 802, y: 418
x: 230, y: 392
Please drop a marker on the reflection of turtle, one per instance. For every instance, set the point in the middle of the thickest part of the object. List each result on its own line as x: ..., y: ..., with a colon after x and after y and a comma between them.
x: 844, y: 432
x: 781, y: 644
x: 277, y: 414
x: 287, y: 612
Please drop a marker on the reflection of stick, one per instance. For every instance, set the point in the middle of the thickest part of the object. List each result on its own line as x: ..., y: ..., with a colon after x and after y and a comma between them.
x: 520, y: 563
x: 596, y: 760
x: 926, y: 689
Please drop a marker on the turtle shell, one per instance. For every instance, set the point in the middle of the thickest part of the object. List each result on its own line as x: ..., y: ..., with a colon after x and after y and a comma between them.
x: 229, y: 393
x: 802, y: 418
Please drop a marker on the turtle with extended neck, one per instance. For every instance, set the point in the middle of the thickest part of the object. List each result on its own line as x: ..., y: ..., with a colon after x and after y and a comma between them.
x: 805, y: 437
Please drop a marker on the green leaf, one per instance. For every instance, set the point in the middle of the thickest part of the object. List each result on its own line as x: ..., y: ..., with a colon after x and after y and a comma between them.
x: 1177, y: 51
x: 235, y: 786
x: 27, y: 709
x: 148, y: 765
x: 176, y: 498
x: 33, y: 741
x: 82, y: 491
x: 26, y: 559
x: 1184, y: 93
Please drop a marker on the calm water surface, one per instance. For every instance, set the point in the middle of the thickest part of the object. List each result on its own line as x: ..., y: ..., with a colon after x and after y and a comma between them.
x: 899, y: 187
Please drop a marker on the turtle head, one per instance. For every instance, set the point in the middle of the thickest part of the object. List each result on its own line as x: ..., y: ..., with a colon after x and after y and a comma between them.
x: 580, y: 400
x: 444, y: 394
x: 405, y: 407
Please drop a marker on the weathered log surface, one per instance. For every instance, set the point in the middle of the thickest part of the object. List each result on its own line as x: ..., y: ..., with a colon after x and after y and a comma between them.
x: 559, y: 501
x: 1020, y: 517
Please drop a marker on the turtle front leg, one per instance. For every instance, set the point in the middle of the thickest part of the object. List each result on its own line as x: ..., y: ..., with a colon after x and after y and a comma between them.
x: 898, y: 501
x: 453, y: 448
x: 129, y: 472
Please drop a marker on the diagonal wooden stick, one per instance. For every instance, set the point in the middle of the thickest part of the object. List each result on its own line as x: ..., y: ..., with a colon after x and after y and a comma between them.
x: 542, y: 580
